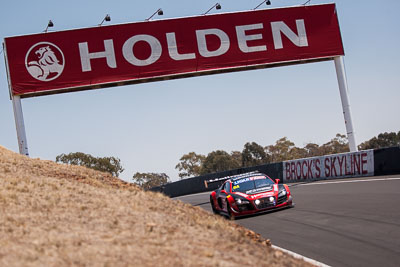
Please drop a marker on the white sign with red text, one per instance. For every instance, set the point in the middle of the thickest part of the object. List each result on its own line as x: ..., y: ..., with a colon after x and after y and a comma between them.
x: 332, y: 166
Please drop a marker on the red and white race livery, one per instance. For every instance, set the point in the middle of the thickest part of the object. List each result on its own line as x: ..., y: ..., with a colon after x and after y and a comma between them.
x: 249, y: 193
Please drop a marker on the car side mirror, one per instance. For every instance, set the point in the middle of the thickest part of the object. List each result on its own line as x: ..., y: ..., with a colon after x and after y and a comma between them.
x: 277, y: 181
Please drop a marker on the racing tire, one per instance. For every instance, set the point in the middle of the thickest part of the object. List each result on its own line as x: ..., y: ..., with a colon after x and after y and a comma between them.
x: 214, y: 210
x: 230, y: 215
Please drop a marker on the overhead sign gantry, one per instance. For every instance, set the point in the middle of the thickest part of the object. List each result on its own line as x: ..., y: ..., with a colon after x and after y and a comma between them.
x: 99, y: 57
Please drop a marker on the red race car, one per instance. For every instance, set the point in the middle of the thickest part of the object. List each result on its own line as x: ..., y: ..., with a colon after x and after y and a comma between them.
x: 248, y: 193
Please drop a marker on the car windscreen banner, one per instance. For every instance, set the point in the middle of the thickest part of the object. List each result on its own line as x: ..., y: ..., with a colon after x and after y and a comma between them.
x: 104, y: 56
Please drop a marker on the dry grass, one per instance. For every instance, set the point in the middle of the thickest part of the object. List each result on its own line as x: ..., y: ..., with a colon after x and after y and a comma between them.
x: 60, y: 215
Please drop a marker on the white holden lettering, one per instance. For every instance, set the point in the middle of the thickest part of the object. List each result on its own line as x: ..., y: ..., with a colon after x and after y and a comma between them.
x: 279, y: 27
x: 86, y: 56
x: 202, y: 42
x: 155, y: 45
x: 173, y: 48
x: 243, y: 38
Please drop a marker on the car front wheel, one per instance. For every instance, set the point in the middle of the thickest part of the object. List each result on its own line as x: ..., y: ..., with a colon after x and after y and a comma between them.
x: 230, y: 214
x: 213, y: 206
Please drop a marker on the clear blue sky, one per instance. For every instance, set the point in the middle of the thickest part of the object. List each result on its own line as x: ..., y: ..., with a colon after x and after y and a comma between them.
x: 150, y: 126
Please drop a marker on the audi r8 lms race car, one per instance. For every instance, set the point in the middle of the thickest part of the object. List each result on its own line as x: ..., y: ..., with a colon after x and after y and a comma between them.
x: 247, y: 194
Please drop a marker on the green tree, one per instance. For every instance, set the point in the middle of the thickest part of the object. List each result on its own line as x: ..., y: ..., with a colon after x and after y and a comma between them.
x: 281, y: 150
x: 313, y: 150
x: 237, y: 157
x: 111, y: 165
x: 297, y: 153
x: 339, y: 144
x: 218, y: 161
x: 253, y: 154
x: 381, y: 141
x: 190, y: 165
x: 149, y: 180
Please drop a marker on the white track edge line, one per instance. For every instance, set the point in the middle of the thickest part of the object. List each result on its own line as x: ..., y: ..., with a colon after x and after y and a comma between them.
x: 298, y: 256
x: 351, y: 181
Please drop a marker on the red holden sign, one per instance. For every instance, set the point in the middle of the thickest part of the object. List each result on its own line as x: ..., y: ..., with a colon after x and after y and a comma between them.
x: 104, y: 56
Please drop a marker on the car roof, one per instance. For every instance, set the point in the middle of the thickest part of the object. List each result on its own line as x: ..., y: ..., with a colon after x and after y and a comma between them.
x: 231, y: 178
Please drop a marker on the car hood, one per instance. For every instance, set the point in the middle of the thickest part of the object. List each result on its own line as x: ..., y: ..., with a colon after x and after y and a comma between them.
x: 260, y: 192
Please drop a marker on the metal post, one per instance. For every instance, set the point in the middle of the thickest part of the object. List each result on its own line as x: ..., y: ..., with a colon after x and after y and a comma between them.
x: 342, y: 81
x: 19, y: 123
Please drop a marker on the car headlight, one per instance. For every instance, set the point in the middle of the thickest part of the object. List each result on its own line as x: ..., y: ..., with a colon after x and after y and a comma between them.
x: 241, y: 201
x: 282, y: 193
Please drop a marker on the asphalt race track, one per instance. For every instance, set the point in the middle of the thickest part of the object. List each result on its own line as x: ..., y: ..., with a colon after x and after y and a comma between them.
x: 347, y: 222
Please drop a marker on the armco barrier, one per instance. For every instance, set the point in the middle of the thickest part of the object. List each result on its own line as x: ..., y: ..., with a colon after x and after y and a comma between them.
x: 385, y: 161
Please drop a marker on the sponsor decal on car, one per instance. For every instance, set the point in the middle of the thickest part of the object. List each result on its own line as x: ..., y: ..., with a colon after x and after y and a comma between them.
x: 240, y: 181
x: 257, y: 190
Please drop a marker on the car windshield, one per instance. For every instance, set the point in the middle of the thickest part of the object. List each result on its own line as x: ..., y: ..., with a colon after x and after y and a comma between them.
x: 252, y: 185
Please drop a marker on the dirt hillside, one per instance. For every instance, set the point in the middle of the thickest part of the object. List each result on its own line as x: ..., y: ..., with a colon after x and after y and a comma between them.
x: 59, y: 215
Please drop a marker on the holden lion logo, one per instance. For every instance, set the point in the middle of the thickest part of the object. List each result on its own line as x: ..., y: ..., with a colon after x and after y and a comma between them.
x: 44, y: 61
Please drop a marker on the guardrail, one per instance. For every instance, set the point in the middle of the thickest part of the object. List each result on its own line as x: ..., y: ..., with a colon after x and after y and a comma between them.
x: 385, y: 161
